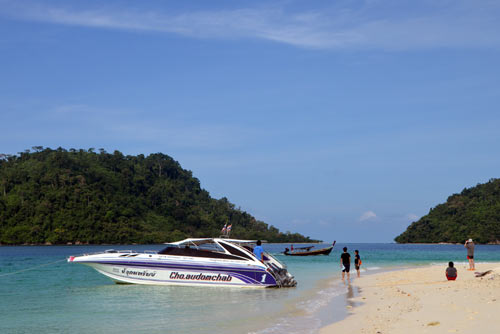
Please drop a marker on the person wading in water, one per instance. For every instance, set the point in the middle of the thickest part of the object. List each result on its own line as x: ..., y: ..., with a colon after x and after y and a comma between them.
x: 345, y: 263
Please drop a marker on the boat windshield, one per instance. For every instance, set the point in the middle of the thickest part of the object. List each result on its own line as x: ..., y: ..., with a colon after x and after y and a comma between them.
x: 233, y: 250
x: 205, y: 249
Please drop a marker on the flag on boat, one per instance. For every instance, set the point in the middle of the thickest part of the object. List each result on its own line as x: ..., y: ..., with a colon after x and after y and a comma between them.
x: 224, y: 229
x: 229, y: 229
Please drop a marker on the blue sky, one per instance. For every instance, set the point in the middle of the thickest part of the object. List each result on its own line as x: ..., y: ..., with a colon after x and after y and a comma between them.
x: 341, y: 120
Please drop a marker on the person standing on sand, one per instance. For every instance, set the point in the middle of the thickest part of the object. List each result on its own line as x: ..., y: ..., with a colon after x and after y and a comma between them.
x: 470, y: 253
x: 345, y: 263
x: 451, y: 272
x: 357, y: 261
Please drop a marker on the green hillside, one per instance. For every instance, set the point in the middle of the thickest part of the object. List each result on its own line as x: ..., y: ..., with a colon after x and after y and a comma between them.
x: 80, y: 196
x: 474, y: 213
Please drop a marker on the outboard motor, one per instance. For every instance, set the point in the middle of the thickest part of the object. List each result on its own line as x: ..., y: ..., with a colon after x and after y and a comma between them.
x: 280, y: 273
x: 285, y: 278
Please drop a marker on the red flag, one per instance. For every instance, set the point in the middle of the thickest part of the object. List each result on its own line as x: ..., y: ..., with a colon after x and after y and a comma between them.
x: 224, y: 229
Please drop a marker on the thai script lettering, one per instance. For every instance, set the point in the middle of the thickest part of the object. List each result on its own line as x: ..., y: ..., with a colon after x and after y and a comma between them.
x: 201, y: 277
x: 144, y: 273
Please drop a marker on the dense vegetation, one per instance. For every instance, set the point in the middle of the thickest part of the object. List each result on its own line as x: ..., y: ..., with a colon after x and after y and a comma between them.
x: 80, y: 196
x: 474, y: 213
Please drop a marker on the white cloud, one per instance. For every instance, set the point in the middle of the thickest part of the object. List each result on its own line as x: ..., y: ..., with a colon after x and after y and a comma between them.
x: 448, y: 24
x: 368, y: 215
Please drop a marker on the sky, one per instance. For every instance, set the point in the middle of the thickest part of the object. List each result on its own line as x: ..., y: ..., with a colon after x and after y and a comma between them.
x: 340, y: 120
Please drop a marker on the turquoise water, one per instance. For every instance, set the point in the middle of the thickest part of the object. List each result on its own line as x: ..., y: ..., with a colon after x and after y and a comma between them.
x: 61, y: 297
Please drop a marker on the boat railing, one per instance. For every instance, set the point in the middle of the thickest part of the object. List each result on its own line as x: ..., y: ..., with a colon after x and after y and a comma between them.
x: 121, y: 251
x: 273, y: 260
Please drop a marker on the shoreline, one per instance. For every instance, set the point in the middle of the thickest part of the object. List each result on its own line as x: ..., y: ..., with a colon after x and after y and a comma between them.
x: 348, y: 299
x: 421, y: 300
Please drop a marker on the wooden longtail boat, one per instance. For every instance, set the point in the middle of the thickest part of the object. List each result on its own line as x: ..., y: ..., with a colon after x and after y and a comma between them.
x: 306, y: 251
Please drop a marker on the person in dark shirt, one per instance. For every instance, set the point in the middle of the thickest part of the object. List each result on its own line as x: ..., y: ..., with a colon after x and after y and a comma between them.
x: 345, y: 263
x: 451, y: 272
x: 357, y: 261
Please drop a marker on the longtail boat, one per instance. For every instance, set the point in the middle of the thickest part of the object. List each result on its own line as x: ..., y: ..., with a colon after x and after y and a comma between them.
x: 307, y: 251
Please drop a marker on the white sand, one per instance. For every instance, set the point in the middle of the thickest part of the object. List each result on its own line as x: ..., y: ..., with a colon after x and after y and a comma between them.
x: 421, y: 300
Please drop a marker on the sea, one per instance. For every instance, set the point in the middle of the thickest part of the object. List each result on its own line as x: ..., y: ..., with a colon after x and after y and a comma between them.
x: 40, y: 292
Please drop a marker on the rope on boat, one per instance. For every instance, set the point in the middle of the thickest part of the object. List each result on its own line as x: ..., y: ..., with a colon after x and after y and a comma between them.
x: 31, y: 268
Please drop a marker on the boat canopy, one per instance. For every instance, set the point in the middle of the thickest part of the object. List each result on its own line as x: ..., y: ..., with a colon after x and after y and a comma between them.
x: 201, y: 241
x: 211, y: 247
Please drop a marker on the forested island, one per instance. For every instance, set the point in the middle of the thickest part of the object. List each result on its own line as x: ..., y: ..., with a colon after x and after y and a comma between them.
x: 81, y: 196
x: 474, y: 213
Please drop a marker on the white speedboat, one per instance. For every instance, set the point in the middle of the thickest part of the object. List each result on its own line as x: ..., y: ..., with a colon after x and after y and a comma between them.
x: 201, y: 262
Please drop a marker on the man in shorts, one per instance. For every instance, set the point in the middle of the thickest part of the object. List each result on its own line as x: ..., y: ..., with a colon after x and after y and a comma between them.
x: 357, y: 261
x: 345, y: 263
x: 470, y: 253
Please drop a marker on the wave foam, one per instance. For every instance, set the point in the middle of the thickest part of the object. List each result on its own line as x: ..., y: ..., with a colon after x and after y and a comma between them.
x: 310, y: 322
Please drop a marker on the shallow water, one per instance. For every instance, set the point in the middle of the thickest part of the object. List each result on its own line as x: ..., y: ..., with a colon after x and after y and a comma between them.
x: 61, y: 297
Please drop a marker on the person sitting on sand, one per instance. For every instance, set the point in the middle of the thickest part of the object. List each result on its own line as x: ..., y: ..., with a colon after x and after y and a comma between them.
x: 470, y: 253
x: 451, y: 272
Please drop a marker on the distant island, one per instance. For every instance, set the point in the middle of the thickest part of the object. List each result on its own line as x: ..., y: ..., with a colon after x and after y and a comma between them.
x: 474, y: 213
x: 81, y: 196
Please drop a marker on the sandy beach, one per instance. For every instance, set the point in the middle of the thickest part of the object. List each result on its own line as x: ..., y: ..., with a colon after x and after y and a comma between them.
x: 421, y: 300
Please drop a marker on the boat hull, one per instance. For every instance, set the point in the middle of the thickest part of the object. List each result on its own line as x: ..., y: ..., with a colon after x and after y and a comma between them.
x: 324, y: 251
x: 196, y: 275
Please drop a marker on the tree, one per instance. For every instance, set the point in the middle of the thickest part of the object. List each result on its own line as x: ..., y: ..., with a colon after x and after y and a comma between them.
x: 474, y: 213
x: 61, y: 196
